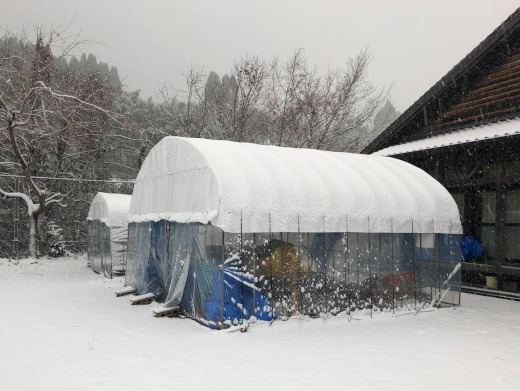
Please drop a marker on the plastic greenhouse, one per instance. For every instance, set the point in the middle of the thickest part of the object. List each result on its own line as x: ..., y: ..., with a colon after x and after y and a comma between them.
x: 108, y: 232
x: 235, y: 232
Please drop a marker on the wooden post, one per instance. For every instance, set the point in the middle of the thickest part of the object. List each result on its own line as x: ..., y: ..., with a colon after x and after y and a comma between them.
x: 500, y: 224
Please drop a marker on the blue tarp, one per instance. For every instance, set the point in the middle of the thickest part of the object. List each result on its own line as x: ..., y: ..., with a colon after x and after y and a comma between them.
x: 470, y: 248
x: 241, y: 299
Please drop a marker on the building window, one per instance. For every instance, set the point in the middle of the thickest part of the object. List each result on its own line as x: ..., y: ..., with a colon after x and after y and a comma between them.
x: 512, y: 168
x: 512, y: 217
x: 488, y: 226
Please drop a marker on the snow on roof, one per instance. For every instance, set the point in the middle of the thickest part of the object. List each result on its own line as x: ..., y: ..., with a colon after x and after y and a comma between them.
x: 112, y: 209
x: 248, y: 188
x: 464, y: 136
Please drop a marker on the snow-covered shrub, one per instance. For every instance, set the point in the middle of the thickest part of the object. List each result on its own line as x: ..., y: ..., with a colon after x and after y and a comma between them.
x: 55, y: 241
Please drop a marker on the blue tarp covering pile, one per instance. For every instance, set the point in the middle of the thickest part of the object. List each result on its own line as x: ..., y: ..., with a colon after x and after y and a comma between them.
x: 241, y: 299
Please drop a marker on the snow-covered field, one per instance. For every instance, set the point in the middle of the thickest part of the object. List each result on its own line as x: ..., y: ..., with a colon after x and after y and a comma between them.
x: 62, y: 328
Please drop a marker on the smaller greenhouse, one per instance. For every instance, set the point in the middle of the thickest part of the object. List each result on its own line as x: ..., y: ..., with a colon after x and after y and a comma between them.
x: 107, y: 233
x: 235, y: 232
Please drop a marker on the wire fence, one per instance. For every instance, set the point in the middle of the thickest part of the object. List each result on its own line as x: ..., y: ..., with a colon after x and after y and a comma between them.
x: 64, y: 226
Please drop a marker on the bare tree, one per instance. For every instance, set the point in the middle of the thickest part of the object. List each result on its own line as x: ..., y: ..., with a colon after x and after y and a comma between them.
x: 283, y: 101
x: 320, y: 112
x: 238, y: 111
x: 189, y: 117
x: 53, y: 119
x: 285, y: 104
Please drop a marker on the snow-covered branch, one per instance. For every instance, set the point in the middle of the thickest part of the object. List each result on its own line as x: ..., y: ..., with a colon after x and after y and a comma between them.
x: 82, y: 102
x: 22, y: 196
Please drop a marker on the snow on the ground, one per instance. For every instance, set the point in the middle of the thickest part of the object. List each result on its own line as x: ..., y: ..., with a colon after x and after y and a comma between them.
x: 63, y: 328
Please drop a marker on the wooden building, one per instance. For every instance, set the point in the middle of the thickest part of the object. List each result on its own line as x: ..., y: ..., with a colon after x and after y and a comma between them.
x: 465, y: 131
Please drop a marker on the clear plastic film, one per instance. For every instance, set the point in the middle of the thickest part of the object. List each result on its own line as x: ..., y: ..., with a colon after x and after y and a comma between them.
x: 223, y: 279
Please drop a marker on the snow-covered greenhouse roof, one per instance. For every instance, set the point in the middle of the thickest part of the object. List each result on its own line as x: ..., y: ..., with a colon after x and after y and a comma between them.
x: 249, y: 188
x: 495, y: 130
x: 111, y: 209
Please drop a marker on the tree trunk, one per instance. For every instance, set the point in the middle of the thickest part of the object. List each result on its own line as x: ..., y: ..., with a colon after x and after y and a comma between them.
x: 33, y: 234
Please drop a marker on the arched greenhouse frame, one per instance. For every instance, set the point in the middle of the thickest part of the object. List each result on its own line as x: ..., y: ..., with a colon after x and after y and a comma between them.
x: 235, y: 232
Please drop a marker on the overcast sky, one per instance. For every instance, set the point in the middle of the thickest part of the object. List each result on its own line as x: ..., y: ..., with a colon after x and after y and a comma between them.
x: 413, y: 43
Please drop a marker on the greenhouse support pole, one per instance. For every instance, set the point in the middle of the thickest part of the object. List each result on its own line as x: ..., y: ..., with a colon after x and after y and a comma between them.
x: 357, y: 259
x: 433, y: 261
x: 271, y: 277
x: 300, y: 293
x: 281, y: 269
x: 241, y: 267
x: 370, y: 265
x: 222, y: 283
x: 400, y: 267
x: 421, y: 264
x: 309, y: 258
x: 414, y: 270
x: 325, y: 272
x: 436, y: 252
x: 254, y: 273
x: 347, y: 266
x: 392, y: 262
x: 380, y: 266
x: 205, y: 257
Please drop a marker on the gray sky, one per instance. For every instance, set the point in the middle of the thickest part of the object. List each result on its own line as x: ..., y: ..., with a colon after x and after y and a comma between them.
x: 413, y: 43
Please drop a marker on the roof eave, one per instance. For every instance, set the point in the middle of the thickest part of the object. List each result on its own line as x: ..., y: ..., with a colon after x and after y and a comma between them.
x: 505, y: 28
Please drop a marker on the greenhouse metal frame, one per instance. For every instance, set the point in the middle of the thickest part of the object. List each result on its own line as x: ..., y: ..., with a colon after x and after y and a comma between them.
x: 240, y: 264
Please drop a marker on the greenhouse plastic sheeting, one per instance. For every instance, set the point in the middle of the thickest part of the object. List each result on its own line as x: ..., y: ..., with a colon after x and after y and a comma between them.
x: 160, y: 260
x: 108, y: 231
x: 106, y: 248
x: 249, y: 188
x: 222, y: 278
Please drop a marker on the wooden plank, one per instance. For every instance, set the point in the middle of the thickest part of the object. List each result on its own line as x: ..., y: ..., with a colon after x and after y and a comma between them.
x: 497, y: 89
x: 475, y: 118
x: 510, y: 270
x: 478, y: 267
x: 483, y: 90
x: 491, y: 293
x: 498, y: 74
x: 514, y: 92
x: 512, y: 62
x: 483, y: 106
x: 497, y: 79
